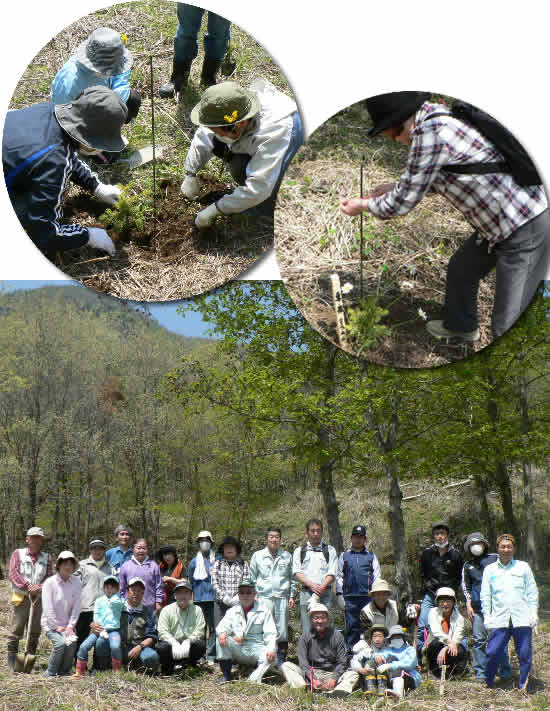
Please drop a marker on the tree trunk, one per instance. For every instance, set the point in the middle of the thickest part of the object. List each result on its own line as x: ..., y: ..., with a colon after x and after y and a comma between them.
x: 481, y: 485
x: 528, y: 496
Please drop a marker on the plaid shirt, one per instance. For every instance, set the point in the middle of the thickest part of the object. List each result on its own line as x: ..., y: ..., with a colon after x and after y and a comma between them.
x: 494, y: 204
x: 226, y: 578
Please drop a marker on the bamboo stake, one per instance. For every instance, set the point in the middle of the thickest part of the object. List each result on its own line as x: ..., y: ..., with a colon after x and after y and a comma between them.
x: 154, y: 150
x: 339, y: 309
x: 361, y: 236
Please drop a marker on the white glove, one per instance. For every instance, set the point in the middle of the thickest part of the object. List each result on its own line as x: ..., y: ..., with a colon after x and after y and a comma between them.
x: 340, y: 601
x: 104, y: 634
x: 108, y: 193
x: 382, y: 668
x: 99, y: 239
x: 234, y: 600
x: 185, y: 647
x: 190, y: 187
x: 411, y: 612
x: 313, y: 600
x: 226, y: 599
x: 177, y: 650
x: 533, y: 620
x: 69, y: 639
x: 207, y: 216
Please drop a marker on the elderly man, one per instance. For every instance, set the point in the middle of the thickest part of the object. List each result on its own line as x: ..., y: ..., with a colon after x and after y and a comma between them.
x: 29, y: 568
x: 39, y: 158
x: 181, y: 629
x: 247, y: 635
x: 141, y: 566
x: 315, y: 565
x: 446, y: 626
x: 123, y: 552
x: 137, y: 631
x: 203, y: 590
x: 322, y: 658
x: 450, y: 156
x: 271, y: 571
x: 380, y: 610
x: 256, y: 131
x: 509, y: 603
x: 92, y: 572
x: 358, y: 568
x: 440, y: 566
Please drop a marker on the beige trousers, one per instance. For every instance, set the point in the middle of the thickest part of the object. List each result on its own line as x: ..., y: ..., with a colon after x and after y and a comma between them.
x: 18, y: 622
x: 295, y: 678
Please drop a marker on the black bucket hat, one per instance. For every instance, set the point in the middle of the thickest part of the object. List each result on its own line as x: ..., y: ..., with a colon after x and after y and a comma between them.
x: 387, y: 110
x: 95, y: 118
x: 232, y: 541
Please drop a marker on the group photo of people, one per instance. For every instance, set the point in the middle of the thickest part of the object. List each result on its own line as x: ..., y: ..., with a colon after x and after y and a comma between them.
x: 152, y: 612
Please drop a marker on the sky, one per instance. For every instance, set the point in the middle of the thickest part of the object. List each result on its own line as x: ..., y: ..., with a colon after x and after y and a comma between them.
x: 190, y: 325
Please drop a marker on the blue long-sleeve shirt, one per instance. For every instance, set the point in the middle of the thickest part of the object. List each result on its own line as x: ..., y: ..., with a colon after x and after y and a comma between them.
x: 509, y: 594
x: 73, y: 77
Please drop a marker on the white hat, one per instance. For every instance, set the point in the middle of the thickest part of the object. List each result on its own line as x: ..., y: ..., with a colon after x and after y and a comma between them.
x: 380, y: 585
x: 66, y: 555
x: 205, y: 534
x: 445, y: 592
x: 135, y: 580
x: 318, y: 607
x: 35, y: 531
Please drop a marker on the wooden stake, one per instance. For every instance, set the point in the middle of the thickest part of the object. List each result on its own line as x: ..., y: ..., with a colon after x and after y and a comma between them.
x: 339, y: 309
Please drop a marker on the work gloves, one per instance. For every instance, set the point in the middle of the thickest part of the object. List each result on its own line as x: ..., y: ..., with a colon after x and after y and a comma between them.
x: 207, y: 216
x: 340, y: 601
x: 190, y: 187
x: 99, y: 239
x: 382, y: 668
x: 312, y: 600
x: 180, y: 650
x: 108, y: 193
x: 230, y: 601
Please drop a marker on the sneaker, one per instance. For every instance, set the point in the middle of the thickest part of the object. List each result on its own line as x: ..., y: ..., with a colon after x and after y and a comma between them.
x: 438, y: 330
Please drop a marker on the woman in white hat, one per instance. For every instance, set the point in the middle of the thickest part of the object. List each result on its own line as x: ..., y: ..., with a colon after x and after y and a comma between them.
x: 446, y: 633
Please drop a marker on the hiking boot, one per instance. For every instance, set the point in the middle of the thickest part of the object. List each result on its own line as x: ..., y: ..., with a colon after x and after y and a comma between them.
x: 178, y: 80
x: 438, y: 330
x: 225, y: 666
x: 209, y: 70
x: 80, y: 671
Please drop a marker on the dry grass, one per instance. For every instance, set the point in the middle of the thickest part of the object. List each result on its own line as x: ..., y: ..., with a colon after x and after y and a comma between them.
x: 405, y: 258
x: 141, y: 272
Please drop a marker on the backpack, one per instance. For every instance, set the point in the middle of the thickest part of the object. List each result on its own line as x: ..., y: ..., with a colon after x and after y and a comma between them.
x: 303, y: 551
x: 516, y: 160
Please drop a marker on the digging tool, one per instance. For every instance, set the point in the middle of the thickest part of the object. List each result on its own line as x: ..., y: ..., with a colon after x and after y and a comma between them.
x: 25, y: 662
x: 442, y: 681
x: 142, y: 156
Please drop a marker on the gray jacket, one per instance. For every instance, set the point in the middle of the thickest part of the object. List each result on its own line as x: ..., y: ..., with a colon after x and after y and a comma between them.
x: 92, y: 579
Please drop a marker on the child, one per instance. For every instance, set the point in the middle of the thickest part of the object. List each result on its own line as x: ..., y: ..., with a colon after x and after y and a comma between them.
x: 368, y: 658
x: 107, y: 611
x: 400, y: 663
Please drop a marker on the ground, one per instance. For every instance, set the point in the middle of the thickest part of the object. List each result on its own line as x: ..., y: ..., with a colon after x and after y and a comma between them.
x: 131, y: 691
x: 404, y: 259
x: 168, y: 258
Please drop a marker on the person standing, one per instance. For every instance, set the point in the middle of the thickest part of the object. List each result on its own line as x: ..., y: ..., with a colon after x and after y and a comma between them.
x: 509, y: 603
x: 29, y: 568
x: 440, y: 566
x: 227, y: 573
x: 172, y: 570
x: 358, y: 568
x: 477, y: 546
x: 271, y: 572
x: 123, y: 552
x: 141, y: 566
x: 203, y: 591
x: 315, y: 565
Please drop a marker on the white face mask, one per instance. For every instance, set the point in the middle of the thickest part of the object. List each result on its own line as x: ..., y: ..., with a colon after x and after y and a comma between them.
x: 227, y: 141
x: 396, y: 642
x: 442, y: 545
x: 477, y: 549
x: 204, y: 546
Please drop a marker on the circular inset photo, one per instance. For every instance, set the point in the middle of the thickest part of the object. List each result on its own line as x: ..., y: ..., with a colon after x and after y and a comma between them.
x: 412, y: 229
x: 144, y: 148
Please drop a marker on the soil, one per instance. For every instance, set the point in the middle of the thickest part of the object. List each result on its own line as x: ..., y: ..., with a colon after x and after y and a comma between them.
x: 205, y: 258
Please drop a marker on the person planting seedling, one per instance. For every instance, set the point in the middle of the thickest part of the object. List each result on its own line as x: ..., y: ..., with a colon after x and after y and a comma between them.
x: 256, y: 131
x: 473, y: 161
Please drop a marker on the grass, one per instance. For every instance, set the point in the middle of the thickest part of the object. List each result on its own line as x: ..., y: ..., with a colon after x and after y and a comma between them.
x: 142, y: 272
x: 405, y: 259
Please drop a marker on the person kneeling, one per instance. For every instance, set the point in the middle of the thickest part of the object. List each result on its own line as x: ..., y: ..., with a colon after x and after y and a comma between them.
x: 446, y: 633
x: 181, y: 628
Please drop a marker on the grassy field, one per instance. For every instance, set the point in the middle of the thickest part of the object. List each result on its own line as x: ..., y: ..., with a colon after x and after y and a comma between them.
x: 405, y: 258
x: 168, y: 258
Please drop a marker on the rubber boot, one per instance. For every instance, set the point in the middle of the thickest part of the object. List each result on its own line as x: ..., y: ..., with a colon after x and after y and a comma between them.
x: 116, y: 664
x: 282, y: 650
x: 372, y: 689
x: 11, y: 661
x: 382, y: 684
x: 209, y: 70
x: 178, y: 80
x: 80, y: 671
x: 225, y: 666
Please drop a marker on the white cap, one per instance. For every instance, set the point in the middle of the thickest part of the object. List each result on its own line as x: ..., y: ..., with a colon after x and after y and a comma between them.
x: 135, y: 580
x: 66, y: 555
x: 318, y: 607
x: 445, y: 592
x: 35, y: 531
x: 205, y: 534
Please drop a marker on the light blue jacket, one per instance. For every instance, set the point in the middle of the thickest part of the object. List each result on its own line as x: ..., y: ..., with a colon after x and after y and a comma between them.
x: 107, y: 611
x: 273, y: 576
x: 73, y: 77
x: 509, y: 592
x: 406, y: 661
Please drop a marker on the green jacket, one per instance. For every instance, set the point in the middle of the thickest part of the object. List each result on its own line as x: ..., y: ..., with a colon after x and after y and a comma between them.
x: 177, y: 624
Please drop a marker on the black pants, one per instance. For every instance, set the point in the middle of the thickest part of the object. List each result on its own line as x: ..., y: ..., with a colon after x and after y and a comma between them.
x: 455, y: 665
x: 167, y: 661
x: 133, y: 104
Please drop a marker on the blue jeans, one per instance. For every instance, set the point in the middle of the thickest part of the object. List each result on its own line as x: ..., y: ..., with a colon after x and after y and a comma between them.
x: 186, y: 44
x: 91, y: 640
x: 481, y: 636
x: 354, y: 605
x: 427, y: 603
x: 148, y: 657
x: 498, y: 639
x: 61, y: 658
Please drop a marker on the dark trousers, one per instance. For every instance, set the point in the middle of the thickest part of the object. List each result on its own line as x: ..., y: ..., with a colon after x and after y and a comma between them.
x: 522, y: 261
x: 455, y: 665
x: 498, y: 639
x: 167, y: 662
x: 352, y: 612
x: 207, y: 608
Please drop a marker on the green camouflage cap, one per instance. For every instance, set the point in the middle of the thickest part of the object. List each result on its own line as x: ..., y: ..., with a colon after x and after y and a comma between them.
x: 225, y: 104
x: 247, y: 582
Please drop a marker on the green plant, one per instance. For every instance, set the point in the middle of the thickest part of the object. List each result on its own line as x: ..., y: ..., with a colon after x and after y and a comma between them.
x: 364, y: 325
x: 129, y: 213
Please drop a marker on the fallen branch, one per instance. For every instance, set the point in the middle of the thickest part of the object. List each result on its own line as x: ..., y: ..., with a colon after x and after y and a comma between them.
x: 464, y: 482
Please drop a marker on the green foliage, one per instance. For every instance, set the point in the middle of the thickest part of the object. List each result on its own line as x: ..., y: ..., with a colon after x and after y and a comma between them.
x: 364, y: 327
x: 129, y: 213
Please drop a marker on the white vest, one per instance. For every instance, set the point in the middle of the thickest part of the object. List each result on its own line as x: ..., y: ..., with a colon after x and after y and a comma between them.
x: 33, y: 572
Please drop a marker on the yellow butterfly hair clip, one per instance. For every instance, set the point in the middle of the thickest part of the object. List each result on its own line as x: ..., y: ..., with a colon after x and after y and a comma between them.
x: 123, y: 38
x: 232, y: 118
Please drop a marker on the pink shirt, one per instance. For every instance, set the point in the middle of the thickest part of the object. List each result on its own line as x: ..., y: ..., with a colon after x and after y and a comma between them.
x: 60, y: 602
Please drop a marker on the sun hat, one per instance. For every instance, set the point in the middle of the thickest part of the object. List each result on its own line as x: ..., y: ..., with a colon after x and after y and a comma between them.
x: 318, y: 607
x: 35, y: 531
x: 65, y: 555
x: 380, y: 585
x: 387, y: 110
x: 375, y: 628
x: 445, y: 592
x: 205, y: 534
x: 396, y: 631
x: 225, y: 104
x: 104, y: 53
x: 94, y: 118
x: 475, y: 537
